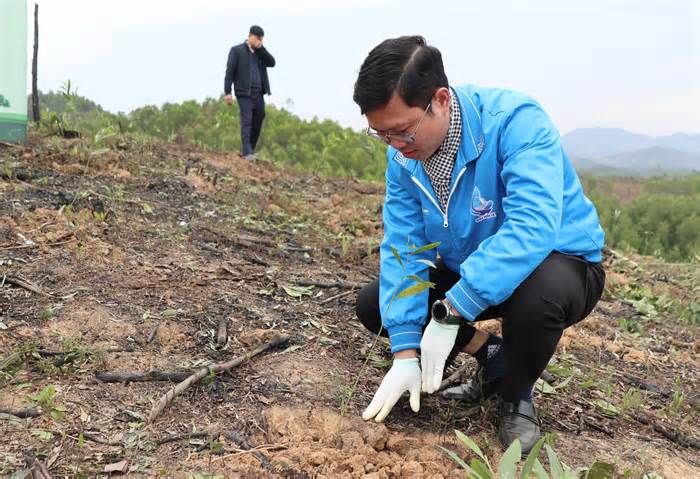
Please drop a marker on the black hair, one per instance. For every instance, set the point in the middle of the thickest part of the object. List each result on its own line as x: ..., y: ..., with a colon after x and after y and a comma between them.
x: 405, y: 65
x: 257, y: 31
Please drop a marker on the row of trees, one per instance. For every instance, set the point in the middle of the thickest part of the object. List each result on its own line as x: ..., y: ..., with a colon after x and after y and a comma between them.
x: 321, y: 146
x: 661, y: 218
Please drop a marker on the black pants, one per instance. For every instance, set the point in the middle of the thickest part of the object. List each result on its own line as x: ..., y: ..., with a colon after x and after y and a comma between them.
x: 560, y: 292
x: 252, y: 110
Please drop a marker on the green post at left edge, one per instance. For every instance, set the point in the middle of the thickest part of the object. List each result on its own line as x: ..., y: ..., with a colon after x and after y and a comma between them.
x: 13, y: 71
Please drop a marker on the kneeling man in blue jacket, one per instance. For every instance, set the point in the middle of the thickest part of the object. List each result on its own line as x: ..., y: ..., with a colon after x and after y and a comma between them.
x: 482, y: 172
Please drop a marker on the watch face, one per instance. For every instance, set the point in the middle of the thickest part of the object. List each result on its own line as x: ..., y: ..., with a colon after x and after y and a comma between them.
x: 439, y: 311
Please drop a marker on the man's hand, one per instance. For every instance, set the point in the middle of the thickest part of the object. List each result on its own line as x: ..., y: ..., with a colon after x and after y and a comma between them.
x: 438, y: 340
x: 403, y: 376
x: 256, y: 43
x: 229, y: 99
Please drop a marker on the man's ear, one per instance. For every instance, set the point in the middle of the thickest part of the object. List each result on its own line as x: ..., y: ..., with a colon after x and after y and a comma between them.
x: 442, y: 96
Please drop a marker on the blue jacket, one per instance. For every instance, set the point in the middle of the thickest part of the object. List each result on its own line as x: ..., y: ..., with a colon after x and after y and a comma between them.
x: 514, y: 198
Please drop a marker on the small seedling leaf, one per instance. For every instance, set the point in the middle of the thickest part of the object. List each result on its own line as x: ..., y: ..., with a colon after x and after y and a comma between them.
x: 425, y: 248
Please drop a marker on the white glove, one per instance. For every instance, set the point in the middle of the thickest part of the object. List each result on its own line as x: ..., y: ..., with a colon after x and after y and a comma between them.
x: 438, y: 340
x: 403, y: 376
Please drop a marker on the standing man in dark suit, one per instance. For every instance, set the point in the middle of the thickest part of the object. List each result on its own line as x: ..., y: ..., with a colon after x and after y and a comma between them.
x: 246, y: 69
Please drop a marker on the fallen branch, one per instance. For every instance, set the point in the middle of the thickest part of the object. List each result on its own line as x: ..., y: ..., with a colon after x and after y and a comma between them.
x: 135, y: 376
x: 673, y: 436
x: 91, y: 437
x: 256, y: 452
x: 58, y: 242
x: 37, y: 469
x: 189, y: 435
x: 653, y: 388
x: 337, y: 296
x: 65, y: 357
x: 454, y: 377
x: 222, y: 332
x: 337, y: 284
x: 21, y: 413
x: 152, y: 334
x: 255, y: 260
x: 248, y: 240
x: 24, y: 246
x: 175, y: 391
x: 24, y: 284
x: 297, y: 249
x: 243, y: 443
x: 588, y: 421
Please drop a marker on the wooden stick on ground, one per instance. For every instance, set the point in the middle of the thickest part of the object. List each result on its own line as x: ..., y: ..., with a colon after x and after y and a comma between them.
x: 98, y: 440
x: 175, y: 391
x: 152, y: 334
x: 337, y: 284
x: 23, y: 283
x: 188, y: 435
x: 454, y: 377
x: 673, y: 436
x: 222, y: 332
x: 37, y: 469
x: 337, y: 296
x: 135, y: 376
x: 21, y: 413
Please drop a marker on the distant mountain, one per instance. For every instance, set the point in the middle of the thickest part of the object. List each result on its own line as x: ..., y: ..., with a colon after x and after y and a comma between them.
x: 597, y: 142
x: 591, y: 166
x: 681, y: 141
x: 655, y: 160
x: 617, y: 151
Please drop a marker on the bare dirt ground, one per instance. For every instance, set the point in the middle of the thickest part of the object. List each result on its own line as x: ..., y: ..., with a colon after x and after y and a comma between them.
x: 129, y: 257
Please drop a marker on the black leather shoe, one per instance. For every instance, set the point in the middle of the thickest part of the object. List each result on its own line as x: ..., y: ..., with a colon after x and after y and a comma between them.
x: 475, y: 390
x: 519, y: 420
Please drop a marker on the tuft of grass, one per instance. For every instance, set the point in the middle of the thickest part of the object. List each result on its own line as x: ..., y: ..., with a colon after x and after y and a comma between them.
x: 46, y: 314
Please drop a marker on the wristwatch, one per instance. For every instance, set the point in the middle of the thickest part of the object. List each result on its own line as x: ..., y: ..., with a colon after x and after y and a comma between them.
x: 444, y: 314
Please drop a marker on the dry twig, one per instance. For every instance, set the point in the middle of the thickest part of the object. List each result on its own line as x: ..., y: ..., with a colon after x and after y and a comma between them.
x: 136, y: 376
x: 37, y: 468
x: 337, y: 284
x: 673, y: 436
x: 21, y: 413
x: 222, y: 332
x: 454, y: 377
x: 337, y: 296
x: 188, y: 435
x: 24, y: 284
x: 152, y: 334
x: 175, y: 391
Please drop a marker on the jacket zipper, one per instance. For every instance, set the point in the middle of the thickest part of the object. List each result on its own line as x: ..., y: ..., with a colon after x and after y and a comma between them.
x: 445, y: 222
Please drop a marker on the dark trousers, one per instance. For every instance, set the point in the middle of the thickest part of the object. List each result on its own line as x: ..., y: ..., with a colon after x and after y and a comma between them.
x: 560, y: 292
x: 252, y: 110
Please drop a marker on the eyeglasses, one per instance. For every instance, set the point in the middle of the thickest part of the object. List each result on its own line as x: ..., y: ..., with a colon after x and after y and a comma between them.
x: 387, y: 136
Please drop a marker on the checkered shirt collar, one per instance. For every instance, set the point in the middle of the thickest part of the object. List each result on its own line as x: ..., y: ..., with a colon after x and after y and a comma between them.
x: 440, y: 164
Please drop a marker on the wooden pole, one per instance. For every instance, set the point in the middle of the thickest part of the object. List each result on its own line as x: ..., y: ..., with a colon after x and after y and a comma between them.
x: 36, y: 112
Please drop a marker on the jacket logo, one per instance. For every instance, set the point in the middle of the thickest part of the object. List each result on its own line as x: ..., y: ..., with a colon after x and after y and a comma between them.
x: 481, y: 209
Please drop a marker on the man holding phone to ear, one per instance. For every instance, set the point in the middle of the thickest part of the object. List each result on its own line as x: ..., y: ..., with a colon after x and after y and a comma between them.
x: 246, y: 70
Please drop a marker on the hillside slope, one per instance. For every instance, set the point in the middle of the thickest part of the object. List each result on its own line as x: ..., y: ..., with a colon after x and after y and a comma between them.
x: 132, y: 256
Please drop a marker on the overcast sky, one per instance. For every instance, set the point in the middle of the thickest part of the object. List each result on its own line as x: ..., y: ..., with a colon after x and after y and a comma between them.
x: 633, y: 64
